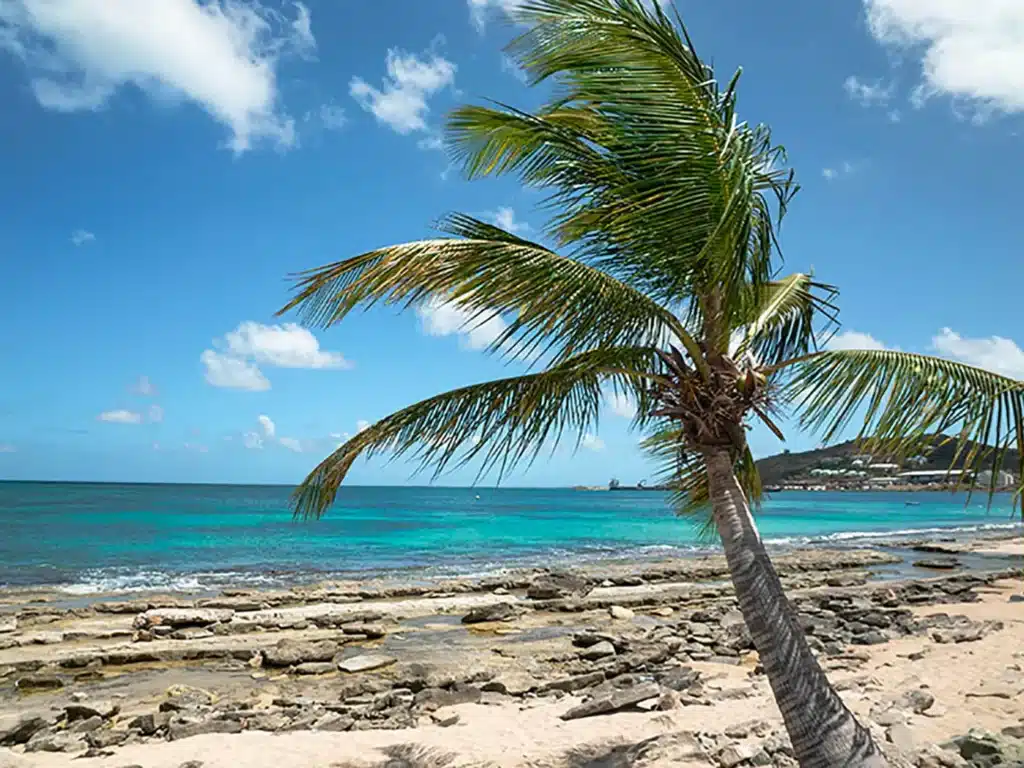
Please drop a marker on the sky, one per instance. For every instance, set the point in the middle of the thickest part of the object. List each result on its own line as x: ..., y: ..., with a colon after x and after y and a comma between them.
x: 168, y: 163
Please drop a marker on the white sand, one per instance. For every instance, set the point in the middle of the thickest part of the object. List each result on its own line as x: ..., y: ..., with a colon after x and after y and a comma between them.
x: 516, y: 735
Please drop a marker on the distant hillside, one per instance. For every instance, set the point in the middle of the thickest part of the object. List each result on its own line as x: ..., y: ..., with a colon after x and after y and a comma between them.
x: 775, y: 470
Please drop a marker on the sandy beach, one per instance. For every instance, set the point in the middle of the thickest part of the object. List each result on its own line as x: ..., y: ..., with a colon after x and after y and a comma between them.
x: 642, y: 664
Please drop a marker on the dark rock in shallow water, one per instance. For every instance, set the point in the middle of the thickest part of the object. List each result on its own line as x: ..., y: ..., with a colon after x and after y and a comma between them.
x: 496, y: 612
x: 558, y: 584
x: 938, y: 564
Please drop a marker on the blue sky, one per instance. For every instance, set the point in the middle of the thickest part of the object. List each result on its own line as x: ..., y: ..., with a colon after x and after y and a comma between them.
x: 166, y: 165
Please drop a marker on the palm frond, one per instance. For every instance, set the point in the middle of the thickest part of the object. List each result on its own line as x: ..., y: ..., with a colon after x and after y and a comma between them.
x: 903, y: 400
x: 552, y: 302
x: 786, y: 317
x: 499, y: 424
x: 651, y: 174
x: 685, y: 474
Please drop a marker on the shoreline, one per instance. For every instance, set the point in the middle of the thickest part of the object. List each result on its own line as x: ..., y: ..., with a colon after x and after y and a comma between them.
x: 971, y: 538
x: 492, y: 669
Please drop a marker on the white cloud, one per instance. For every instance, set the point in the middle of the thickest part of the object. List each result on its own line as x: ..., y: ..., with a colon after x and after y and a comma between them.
x: 7, y: 448
x: 221, y: 55
x: 234, y: 362
x: 252, y: 440
x: 971, y: 51
x: 621, y: 404
x: 592, y: 443
x: 505, y: 217
x: 996, y: 353
x: 79, y: 236
x: 330, y: 116
x: 144, y: 387
x: 844, y: 169
x: 434, y: 142
x: 401, y: 103
x: 508, y: 64
x: 230, y: 372
x: 362, y: 425
x: 854, y: 340
x: 443, y: 318
x: 267, y: 425
x: 868, y: 94
x: 120, y: 417
x: 156, y: 414
x: 291, y: 444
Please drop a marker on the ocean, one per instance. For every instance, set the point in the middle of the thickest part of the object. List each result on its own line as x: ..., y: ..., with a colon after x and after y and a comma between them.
x: 88, y: 538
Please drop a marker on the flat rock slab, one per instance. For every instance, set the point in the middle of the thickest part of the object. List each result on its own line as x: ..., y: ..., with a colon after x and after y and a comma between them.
x: 614, y: 700
x: 366, y: 662
x: 182, y: 617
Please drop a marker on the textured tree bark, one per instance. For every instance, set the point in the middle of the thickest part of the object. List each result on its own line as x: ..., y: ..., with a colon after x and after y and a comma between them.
x: 824, y: 733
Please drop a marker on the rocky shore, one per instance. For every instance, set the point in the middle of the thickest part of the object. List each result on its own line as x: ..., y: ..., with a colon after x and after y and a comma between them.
x: 627, y: 665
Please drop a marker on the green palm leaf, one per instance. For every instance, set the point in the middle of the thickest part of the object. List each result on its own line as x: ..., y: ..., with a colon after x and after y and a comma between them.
x: 500, y: 423
x: 782, y: 319
x: 652, y: 176
x: 555, y: 303
x: 904, y: 400
x: 685, y: 473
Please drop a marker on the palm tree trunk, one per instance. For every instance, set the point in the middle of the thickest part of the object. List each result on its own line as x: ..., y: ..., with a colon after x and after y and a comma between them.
x: 824, y: 733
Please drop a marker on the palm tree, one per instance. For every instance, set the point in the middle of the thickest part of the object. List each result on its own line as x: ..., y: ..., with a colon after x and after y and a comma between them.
x: 665, y: 210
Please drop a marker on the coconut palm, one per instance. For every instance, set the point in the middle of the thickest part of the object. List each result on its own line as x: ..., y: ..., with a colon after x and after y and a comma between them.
x: 661, y: 284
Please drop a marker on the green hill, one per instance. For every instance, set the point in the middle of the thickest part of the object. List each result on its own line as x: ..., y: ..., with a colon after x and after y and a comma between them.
x: 776, y: 470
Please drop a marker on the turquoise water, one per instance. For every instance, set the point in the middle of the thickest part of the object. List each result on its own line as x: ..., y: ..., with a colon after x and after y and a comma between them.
x: 91, y: 537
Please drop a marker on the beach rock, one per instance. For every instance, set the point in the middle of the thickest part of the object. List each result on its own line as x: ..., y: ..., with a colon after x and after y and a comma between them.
x: 496, y: 612
x: 619, y: 613
x: 1013, y: 731
x: 599, y: 651
x: 182, y: 617
x: 290, y: 652
x: 938, y: 564
x: 558, y: 584
x: 60, y: 741
x: 982, y: 748
x: 614, y: 700
x: 8, y: 624
x: 184, y: 728
x: 83, y: 711
x: 445, y: 719
x: 242, y: 603
x: 333, y: 721
x: 181, y: 697
x: 314, y: 668
x: 18, y: 729
x: 435, y: 698
x: 266, y: 721
x: 901, y: 737
x: 366, y: 662
x: 570, y: 684
x: 917, y: 701
x: 364, y: 631
x: 679, y: 679
x: 107, y: 737
x: 734, y: 754
x: 150, y: 724
x: 192, y: 633
x: 38, y: 682
x: 871, y: 637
